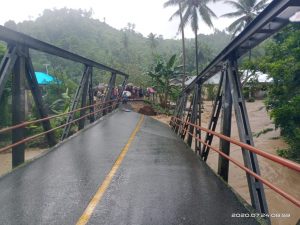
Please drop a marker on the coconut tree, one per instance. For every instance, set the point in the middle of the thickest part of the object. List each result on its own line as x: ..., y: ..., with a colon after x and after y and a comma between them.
x: 246, y: 11
x: 181, y: 29
x: 193, y: 11
x: 152, y: 41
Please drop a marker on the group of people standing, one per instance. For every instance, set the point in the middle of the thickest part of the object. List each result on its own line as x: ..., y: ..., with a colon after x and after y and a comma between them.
x: 130, y: 92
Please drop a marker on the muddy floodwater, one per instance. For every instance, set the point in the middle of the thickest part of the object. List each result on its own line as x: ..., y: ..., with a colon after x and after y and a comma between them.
x: 284, y: 178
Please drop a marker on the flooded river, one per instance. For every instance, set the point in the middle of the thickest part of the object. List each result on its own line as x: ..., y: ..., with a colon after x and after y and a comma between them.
x: 282, y: 177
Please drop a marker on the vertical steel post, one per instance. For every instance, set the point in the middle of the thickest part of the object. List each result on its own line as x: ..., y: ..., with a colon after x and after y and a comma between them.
x: 176, y: 111
x: 18, y: 108
x: 85, y: 90
x: 91, y: 96
x: 181, y: 112
x: 193, y: 116
x: 111, y: 86
x: 213, y: 119
x: 198, y: 120
x: 223, y: 164
x: 38, y: 99
x: 184, y: 127
x: 75, y: 102
x: 256, y: 189
x: 121, y: 92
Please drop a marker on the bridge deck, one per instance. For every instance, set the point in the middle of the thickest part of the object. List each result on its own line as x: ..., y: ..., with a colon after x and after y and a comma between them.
x: 159, y: 182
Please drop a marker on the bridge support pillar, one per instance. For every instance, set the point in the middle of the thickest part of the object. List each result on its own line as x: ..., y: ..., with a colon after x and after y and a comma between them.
x: 223, y: 164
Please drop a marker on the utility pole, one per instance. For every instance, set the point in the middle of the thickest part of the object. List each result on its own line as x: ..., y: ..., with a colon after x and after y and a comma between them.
x: 46, y: 65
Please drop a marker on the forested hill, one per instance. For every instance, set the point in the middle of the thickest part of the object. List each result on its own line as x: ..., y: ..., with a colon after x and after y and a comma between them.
x: 126, y: 49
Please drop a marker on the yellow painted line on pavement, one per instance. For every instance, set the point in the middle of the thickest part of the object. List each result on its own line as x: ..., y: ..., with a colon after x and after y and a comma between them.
x: 100, y: 192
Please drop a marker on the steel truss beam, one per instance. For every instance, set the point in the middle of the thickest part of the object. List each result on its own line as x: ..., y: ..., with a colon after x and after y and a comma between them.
x: 214, y: 118
x: 184, y: 128
x: 38, y: 99
x: 273, y: 18
x: 223, y: 164
x: 180, y: 111
x: 79, y: 91
x: 18, y: 107
x: 91, y: 96
x: 85, y: 92
x: 198, y: 119
x: 6, y: 66
x: 121, y: 92
x: 108, y: 97
x: 193, y: 116
x: 17, y: 61
x: 256, y: 189
x: 16, y: 38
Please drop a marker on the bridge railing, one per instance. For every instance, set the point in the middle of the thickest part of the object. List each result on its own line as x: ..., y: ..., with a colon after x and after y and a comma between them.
x: 107, y: 106
x: 191, y: 130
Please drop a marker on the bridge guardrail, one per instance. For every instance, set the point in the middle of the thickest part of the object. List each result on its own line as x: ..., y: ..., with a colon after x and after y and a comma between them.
x: 25, y: 124
x: 287, y: 163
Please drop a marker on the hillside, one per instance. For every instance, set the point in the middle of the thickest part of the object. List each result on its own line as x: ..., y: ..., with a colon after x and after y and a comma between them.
x: 126, y: 49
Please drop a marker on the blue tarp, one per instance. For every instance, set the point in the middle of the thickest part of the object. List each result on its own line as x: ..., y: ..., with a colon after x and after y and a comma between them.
x: 43, y: 78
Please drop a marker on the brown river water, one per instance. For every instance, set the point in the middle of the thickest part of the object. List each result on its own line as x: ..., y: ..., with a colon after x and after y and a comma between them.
x: 282, y: 177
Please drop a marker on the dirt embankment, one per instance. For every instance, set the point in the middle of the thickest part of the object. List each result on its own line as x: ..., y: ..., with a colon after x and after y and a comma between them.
x: 140, y: 108
x: 5, y: 158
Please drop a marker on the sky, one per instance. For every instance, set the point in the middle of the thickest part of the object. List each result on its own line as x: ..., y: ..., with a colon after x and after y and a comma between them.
x: 147, y: 15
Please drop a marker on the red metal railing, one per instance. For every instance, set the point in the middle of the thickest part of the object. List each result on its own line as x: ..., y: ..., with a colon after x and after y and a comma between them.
x: 25, y: 124
x: 287, y: 163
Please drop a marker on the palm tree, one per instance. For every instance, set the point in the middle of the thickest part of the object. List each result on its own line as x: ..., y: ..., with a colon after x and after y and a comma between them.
x: 247, y: 10
x: 181, y: 29
x: 152, y: 41
x: 193, y: 10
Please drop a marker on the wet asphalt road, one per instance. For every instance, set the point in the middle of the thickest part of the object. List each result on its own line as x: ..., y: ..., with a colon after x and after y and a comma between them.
x: 159, y: 182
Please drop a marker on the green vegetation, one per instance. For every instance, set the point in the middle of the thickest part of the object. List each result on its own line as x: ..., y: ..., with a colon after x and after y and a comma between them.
x: 211, y: 92
x: 282, y: 63
x: 161, y: 73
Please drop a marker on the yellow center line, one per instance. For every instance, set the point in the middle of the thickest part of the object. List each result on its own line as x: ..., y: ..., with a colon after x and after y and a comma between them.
x: 85, y: 217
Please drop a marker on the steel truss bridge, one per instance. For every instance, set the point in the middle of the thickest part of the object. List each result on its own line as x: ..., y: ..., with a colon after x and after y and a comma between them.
x: 123, y: 168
